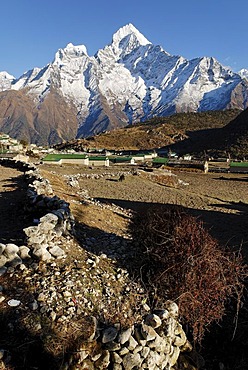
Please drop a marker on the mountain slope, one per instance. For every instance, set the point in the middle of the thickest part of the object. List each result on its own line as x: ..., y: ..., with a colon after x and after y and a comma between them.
x: 156, y: 132
x: 236, y: 136
x: 128, y: 81
x: 50, y: 122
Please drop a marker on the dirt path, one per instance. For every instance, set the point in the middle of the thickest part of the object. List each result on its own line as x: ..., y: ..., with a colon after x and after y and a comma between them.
x: 12, y: 201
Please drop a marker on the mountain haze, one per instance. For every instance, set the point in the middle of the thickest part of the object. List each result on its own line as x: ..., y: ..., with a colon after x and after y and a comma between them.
x: 128, y: 81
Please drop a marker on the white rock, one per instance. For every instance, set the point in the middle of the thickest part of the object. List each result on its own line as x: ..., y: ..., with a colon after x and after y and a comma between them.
x: 24, y: 252
x: 153, y: 359
x: 14, y: 302
x: 125, y: 335
x: 3, y: 261
x: 148, y: 332
x: 42, y: 254
x: 144, y: 352
x: 132, y: 344
x: 103, y: 362
x: 36, y: 238
x: 57, y: 251
x: 116, y: 358
x: 10, y: 250
x: 172, y: 307
x: 44, y: 227
x: 30, y: 231
x: 49, y: 218
x: 132, y: 360
x: 173, y: 359
x: 15, y: 261
x: 2, y: 247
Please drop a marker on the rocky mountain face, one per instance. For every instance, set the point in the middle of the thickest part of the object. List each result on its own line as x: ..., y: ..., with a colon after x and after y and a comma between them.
x: 128, y: 81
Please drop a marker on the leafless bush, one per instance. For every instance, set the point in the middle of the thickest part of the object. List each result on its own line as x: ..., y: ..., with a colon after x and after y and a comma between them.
x: 184, y: 263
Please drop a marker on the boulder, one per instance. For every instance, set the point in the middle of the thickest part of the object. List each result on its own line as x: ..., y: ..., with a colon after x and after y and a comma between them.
x: 10, y: 250
x: 24, y: 252
x: 57, y: 251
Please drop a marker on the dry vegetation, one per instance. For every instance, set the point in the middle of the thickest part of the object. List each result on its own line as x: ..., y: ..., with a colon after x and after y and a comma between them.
x: 156, y: 132
x: 181, y: 261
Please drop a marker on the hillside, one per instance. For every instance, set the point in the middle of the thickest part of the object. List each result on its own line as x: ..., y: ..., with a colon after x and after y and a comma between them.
x: 236, y: 133
x: 49, y: 122
x: 231, y: 139
x: 154, y: 133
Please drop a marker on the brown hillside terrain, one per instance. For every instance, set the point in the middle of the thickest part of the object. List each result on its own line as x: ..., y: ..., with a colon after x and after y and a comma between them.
x: 236, y: 135
x: 46, y: 122
x: 231, y: 139
x: 155, y: 133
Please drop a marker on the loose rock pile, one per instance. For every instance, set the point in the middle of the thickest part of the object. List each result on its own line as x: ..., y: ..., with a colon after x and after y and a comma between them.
x: 153, y: 344
x: 12, y: 255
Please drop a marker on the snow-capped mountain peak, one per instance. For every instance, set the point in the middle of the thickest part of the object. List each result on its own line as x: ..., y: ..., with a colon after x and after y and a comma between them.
x: 243, y: 73
x: 129, y: 31
x: 70, y: 51
x: 5, y: 80
x: 128, y: 81
x: 124, y: 41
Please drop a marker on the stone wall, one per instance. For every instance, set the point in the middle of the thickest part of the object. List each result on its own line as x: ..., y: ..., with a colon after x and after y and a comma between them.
x: 56, y: 220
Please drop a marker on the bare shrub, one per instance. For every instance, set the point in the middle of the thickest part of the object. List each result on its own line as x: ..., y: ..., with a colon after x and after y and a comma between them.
x: 181, y: 261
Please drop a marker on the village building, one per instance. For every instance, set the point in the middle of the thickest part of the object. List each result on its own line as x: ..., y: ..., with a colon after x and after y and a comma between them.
x: 7, y: 144
x: 81, y: 159
x: 122, y: 160
x: 180, y: 163
x: 238, y: 167
x: 60, y: 159
x: 98, y: 161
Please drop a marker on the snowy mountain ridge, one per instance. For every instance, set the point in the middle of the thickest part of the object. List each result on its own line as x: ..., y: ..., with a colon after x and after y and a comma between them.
x: 130, y: 80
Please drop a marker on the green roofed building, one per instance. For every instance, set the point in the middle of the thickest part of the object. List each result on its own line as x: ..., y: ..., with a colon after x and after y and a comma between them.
x: 82, y: 159
x: 122, y: 160
x: 66, y: 158
x: 239, y: 167
x: 160, y: 161
x: 98, y: 161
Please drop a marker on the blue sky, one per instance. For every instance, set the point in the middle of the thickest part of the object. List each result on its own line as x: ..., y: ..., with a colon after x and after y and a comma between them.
x: 32, y: 31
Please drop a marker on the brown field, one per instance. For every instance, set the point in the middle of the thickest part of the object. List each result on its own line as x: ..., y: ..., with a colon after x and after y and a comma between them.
x: 220, y: 200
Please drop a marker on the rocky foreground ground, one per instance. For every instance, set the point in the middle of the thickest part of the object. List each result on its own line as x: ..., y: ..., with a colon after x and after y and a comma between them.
x: 69, y: 298
x: 50, y: 307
